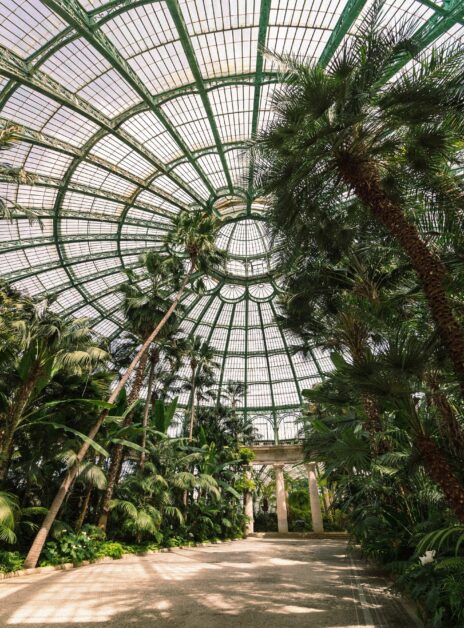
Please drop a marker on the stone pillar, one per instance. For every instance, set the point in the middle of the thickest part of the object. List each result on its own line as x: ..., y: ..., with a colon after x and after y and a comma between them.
x: 248, y: 504
x: 282, y: 523
x: 316, y: 515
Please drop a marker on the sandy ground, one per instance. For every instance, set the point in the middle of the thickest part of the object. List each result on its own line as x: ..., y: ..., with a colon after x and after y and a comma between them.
x: 257, y: 583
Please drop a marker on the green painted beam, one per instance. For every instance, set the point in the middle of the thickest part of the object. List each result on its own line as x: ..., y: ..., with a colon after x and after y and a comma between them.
x: 184, y: 37
x: 14, y: 67
x: 287, y: 351
x: 32, y: 243
x: 64, y: 184
x: 8, y: 91
x: 434, y: 27
x: 31, y: 136
x: 74, y: 15
x: 262, y: 35
x: 271, y: 380
x: 349, y: 14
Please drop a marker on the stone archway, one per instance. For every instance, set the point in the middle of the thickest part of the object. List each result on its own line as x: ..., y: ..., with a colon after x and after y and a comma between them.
x: 278, y: 456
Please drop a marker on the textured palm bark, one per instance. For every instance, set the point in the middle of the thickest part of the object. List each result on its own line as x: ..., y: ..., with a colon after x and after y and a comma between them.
x: 154, y: 358
x: 12, y: 419
x: 192, y: 410
x: 357, y: 340
x: 449, y: 425
x: 442, y: 474
x: 84, y: 508
x: 371, y: 410
x: 118, y: 450
x: 365, y: 180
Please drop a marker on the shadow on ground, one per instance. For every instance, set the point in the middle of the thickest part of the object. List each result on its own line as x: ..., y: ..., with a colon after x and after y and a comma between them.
x: 268, y: 583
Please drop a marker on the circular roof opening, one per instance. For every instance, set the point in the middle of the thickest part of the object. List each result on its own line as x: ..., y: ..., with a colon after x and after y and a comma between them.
x: 250, y: 248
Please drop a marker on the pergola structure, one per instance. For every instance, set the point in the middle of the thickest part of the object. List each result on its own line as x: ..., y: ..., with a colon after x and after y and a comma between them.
x: 131, y: 111
x: 278, y: 456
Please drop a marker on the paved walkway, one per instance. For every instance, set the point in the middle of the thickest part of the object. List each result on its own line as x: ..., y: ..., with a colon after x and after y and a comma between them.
x: 257, y: 583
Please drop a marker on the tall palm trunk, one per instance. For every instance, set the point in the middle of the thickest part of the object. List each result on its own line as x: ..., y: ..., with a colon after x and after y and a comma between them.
x: 442, y: 474
x: 42, y: 534
x: 151, y: 377
x: 364, y: 179
x: 450, y: 429
x: 374, y: 425
x: 84, y: 508
x: 192, y: 410
x: 12, y: 419
x: 118, y: 450
x: 357, y: 343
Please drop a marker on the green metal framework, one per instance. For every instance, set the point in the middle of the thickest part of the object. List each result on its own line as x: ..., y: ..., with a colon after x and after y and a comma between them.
x: 130, y: 111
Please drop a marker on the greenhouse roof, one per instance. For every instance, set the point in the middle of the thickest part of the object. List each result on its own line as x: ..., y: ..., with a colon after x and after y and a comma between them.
x: 131, y: 111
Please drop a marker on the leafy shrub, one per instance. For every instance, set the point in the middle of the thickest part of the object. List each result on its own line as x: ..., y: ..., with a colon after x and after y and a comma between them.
x: 70, y: 548
x: 110, y: 549
x: 246, y: 454
x: 10, y: 561
x: 175, y: 541
x: 438, y: 588
x: 94, y: 532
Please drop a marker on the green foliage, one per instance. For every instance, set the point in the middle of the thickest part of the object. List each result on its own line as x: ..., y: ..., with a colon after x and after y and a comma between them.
x: 110, y: 549
x: 10, y: 561
x: 69, y: 548
x: 439, y: 589
x: 247, y: 455
x: 441, y: 539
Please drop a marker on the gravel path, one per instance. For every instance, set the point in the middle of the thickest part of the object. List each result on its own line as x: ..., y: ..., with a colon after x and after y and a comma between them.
x: 256, y: 583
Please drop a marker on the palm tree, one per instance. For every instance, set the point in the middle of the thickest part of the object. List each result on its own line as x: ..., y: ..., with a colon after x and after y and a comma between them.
x: 172, y: 349
x: 92, y: 476
x: 341, y: 131
x: 48, y: 344
x: 13, y: 517
x: 233, y: 392
x: 194, y: 234
x: 143, y: 307
x: 203, y: 365
x: 394, y: 374
x: 337, y: 306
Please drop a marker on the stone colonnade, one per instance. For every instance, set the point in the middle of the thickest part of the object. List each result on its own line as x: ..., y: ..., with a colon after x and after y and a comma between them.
x: 278, y: 456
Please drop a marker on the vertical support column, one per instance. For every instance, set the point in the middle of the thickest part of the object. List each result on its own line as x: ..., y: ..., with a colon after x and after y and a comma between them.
x: 248, y: 506
x: 316, y: 515
x: 282, y: 523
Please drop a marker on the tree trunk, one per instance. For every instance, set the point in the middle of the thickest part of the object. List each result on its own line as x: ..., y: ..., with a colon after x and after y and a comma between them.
x: 12, y: 419
x: 365, y: 180
x: 441, y: 473
x: 118, y: 450
x: 192, y: 410
x: 84, y: 508
x: 151, y: 377
x: 449, y: 427
x: 373, y: 424
x: 42, y: 534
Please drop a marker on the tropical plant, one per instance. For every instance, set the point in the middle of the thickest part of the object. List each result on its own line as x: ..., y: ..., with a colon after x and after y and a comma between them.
x: 48, y: 344
x: 13, y: 517
x: 200, y: 356
x: 344, y: 130
x: 193, y: 234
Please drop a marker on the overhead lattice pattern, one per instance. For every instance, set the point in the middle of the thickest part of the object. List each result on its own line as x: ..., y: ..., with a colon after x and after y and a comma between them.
x: 134, y: 110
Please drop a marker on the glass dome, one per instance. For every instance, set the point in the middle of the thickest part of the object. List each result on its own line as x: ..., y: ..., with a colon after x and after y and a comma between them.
x: 130, y: 112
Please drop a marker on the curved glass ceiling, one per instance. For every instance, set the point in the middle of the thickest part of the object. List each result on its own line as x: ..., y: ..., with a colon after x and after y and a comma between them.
x: 129, y: 112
